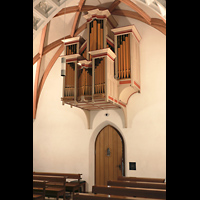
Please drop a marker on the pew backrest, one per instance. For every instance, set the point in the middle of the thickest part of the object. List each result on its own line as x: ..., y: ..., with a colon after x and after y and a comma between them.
x: 86, y: 196
x: 41, y: 185
x: 52, y: 180
x: 138, y: 184
x: 131, y: 192
x: 143, y: 179
x: 67, y: 175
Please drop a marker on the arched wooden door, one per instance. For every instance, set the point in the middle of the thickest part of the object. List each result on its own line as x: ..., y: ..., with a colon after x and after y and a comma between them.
x: 109, y: 159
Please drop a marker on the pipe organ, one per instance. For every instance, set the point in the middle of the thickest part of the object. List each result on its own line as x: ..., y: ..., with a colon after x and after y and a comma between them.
x: 103, y: 70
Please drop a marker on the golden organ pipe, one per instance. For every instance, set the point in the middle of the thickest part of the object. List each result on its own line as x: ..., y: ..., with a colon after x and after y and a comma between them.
x: 71, y: 71
x: 72, y: 81
x: 70, y: 74
x: 71, y: 48
x: 94, y: 81
x: 95, y: 35
x: 70, y: 51
x: 103, y: 75
x: 126, y: 49
x: 81, y: 77
x: 118, y: 56
x: 99, y: 35
x: 92, y: 35
x: 101, y: 80
x: 126, y: 66
x: 86, y: 90
x: 88, y: 83
x: 67, y: 79
x: 90, y: 40
x: 83, y: 85
x: 99, y: 72
x: 67, y: 49
x: 98, y: 79
x: 69, y: 82
x: 118, y: 59
x: 80, y: 83
x: 100, y: 65
x: 121, y: 57
x: 124, y: 63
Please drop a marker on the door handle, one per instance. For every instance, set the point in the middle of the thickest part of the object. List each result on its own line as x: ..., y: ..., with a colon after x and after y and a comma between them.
x: 119, y: 166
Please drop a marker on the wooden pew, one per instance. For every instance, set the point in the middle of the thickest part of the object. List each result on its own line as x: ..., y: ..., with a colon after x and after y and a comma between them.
x: 91, y: 196
x: 138, y: 184
x: 70, y: 186
x: 56, y: 185
x: 39, y: 189
x: 143, y: 179
x: 131, y: 192
x: 37, y: 197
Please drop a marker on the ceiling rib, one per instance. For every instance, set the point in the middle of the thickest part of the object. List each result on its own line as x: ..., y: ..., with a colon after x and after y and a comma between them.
x: 35, y: 94
x: 156, y: 23
x: 139, y: 14
x: 48, y: 69
x: 45, y: 10
x: 77, y: 15
x: 138, y: 10
x: 114, y: 5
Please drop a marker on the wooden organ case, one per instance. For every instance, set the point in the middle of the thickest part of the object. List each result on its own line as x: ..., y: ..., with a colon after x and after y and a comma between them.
x: 103, y: 71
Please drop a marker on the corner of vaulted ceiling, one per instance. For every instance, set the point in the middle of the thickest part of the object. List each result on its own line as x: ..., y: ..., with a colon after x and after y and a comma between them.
x: 45, y: 10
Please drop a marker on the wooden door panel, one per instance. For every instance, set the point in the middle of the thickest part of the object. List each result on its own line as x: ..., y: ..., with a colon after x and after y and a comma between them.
x: 108, y: 160
x: 97, y: 161
x: 119, y: 153
x: 112, y: 152
x: 101, y: 156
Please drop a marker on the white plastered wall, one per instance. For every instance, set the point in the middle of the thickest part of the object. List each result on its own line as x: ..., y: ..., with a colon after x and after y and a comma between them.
x: 62, y: 142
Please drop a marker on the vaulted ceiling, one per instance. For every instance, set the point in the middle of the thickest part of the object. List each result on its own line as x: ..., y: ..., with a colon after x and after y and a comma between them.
x: 45, y: 10
x: 54, y: 20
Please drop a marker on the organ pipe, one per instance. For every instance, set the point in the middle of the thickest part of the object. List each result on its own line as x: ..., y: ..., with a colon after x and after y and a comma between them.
x: 99, y: 34
x: 69, y: 80
x: 71, y: 49
x: 99, y: 76
x: 123, y: 59
x: 96, y: 35
x: 85, y: 82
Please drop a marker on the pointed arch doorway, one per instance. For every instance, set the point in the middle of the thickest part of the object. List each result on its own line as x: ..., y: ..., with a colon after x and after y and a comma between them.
x: 109, y: 155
